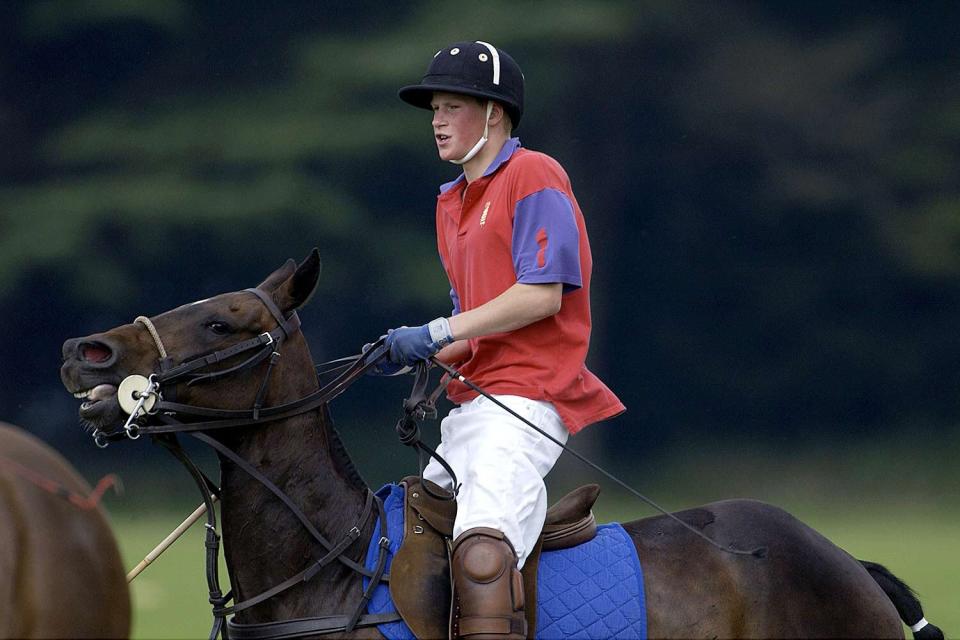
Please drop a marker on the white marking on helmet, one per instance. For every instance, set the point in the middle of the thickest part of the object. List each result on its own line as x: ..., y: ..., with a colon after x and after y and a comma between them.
x: 439, y: 51
x: 483, y: 57
x: 496, y: 60
x: 454, y: 51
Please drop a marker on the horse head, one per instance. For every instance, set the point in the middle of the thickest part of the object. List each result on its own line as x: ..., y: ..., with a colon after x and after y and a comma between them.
x: 202, y: 333
x: 214, y: 364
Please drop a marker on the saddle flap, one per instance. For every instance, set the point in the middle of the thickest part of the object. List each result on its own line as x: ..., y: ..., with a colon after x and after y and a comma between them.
x: 420, y: 573
x: 439, y: 514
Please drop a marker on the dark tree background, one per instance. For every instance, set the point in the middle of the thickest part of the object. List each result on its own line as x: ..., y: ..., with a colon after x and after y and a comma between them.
x: 770, y: 188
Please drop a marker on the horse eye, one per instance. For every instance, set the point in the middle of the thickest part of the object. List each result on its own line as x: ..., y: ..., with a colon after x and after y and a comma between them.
x: 219, y: 328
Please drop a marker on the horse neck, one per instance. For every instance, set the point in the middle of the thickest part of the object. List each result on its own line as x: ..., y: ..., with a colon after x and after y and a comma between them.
x: 264, y: 542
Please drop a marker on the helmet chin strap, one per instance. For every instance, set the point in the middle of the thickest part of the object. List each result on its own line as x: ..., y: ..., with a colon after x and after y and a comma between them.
x: 482, y: 141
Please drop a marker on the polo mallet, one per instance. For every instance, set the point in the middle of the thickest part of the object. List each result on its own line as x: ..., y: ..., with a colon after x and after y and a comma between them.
x: 169, y: 540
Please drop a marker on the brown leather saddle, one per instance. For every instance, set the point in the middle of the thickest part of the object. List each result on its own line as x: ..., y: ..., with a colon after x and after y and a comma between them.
x: 420, y: 573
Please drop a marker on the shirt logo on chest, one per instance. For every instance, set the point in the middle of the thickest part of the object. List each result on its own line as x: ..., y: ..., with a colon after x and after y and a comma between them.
x: 483, y: 216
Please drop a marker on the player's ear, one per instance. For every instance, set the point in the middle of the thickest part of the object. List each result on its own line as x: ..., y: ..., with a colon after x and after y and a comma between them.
x: 496, y: 113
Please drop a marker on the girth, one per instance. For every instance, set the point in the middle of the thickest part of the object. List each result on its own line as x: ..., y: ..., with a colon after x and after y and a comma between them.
x: 419, y: 575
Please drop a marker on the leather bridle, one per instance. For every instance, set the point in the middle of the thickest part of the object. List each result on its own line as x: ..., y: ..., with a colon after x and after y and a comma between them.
x: 267, y: 344
x: 163, y: 421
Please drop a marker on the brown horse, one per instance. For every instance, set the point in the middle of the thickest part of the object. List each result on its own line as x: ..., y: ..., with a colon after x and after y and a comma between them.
x: 60, y: 570
x: 285, y: 460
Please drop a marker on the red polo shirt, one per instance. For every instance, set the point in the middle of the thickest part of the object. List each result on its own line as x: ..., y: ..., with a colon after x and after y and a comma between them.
x: 520, y: 222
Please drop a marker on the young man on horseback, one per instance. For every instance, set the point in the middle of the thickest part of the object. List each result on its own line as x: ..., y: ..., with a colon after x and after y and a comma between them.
x: 514, y: 246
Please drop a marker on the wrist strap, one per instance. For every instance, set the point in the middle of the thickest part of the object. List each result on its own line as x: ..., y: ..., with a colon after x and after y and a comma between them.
x: 440, y: 332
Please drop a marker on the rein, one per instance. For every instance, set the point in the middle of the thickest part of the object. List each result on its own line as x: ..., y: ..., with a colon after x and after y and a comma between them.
x: 153, y: 411
x: 758, y: 552
x: 152, y: 414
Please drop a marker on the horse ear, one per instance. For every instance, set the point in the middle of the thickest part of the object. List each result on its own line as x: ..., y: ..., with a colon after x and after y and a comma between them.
x: 297, y: 288
x: 274, y: 279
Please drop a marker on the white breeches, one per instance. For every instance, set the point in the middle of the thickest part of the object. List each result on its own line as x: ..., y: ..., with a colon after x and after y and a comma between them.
x: 500, y: 463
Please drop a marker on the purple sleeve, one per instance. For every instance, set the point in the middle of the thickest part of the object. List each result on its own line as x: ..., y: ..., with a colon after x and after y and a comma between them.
x: 546, y: 240
x: 454, y: 298
x: 456, y: 301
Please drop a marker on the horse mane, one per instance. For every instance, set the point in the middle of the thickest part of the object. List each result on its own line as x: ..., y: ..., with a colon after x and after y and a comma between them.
x: 341, y: 459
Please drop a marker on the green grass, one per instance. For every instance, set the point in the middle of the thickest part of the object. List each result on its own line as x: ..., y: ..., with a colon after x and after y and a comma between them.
x: 920, y: 546
x: 918, y: 543
x: 881, y: 502
x: 170, y: 596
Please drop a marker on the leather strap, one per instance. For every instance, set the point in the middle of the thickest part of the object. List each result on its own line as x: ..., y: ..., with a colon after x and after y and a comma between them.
x: 420, y: 406
x: 485, y: 626
x: 326, y: 624
x: 290, y: 324
x: 302, y: 627
x: 268, y: 344
x: 297, y: 512
x: 227, y: 418
x: 286, y: 326
x: 303, y: 576
x: 266, y: 338
x: 268, y: 349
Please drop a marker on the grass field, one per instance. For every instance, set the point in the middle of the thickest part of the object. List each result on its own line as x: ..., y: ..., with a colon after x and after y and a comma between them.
x: 918, y: 543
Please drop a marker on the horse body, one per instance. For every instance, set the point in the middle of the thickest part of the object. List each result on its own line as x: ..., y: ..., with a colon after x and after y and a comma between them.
x: 804, y: 586
x: 61, y: 572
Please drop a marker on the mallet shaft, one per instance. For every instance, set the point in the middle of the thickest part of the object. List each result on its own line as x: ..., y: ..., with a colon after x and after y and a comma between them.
x: 169, y: 540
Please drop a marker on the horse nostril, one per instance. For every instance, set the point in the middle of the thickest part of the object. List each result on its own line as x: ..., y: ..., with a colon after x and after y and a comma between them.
x: 69, y: 349
x: 95, y: 352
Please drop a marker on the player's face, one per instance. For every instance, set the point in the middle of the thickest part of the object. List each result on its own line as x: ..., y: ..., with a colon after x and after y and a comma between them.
x: 457, y: 123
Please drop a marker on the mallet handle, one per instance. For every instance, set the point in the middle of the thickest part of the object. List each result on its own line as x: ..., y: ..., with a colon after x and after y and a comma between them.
x: 169, y: 540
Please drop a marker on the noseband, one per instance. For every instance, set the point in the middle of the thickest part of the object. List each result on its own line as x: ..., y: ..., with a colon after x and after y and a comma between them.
x: 149, y: 402
x: 148, y: 323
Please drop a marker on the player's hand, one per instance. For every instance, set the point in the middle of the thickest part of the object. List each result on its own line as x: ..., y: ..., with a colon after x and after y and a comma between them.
x: 409, y: 345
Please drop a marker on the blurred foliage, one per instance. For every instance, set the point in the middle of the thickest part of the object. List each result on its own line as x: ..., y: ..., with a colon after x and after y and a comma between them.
x: 770, y: 189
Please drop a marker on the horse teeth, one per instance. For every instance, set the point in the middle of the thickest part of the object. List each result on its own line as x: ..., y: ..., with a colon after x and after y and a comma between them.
x: 80, y: 395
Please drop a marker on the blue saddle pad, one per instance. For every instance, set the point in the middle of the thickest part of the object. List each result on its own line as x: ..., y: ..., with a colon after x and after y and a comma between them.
x: 594, y: 590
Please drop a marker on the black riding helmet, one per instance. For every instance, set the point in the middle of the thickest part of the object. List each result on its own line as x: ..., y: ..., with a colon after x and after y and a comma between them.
x: 473, y: 68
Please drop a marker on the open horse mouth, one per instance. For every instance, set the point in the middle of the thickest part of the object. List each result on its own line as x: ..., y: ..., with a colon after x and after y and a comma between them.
x: 90, y: 373
x: 100, y: 408
x: 94, y: 397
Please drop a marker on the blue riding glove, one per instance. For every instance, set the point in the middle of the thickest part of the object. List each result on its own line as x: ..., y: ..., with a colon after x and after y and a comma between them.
x: 384, y: 367
x: 409, y: 345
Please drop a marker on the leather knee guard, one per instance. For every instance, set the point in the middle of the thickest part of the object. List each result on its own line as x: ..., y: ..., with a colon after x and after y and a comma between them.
x: 487, y: 588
